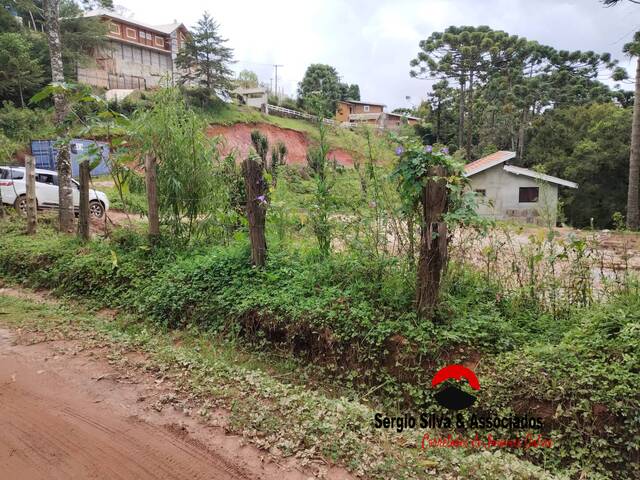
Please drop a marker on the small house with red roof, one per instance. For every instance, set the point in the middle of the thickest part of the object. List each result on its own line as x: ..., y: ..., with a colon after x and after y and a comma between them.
x: 509, y: 192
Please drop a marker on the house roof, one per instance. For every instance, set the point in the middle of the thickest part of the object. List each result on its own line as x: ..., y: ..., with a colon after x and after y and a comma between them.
x: 166, y: 28
x: 487, y: 162
x: 363, y: 103
x: 502, y: 156
x: 540, y: 176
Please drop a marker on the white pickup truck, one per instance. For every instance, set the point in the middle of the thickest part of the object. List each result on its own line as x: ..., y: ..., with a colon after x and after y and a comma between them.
x: 13, y: 189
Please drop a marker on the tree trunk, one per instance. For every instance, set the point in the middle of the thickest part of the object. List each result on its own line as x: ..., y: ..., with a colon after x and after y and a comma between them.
x: 461, y: 116
x: 633, y: 214
x: 65, y: 197
x: 83, y: 226
x: 438, y: 120
x: 433, y: 242
x: 521, y: 134
x: 256, y: 188
x: 66, y: 213
x: 152, y: 197
x: 470, y: 120
x: 32, y: 214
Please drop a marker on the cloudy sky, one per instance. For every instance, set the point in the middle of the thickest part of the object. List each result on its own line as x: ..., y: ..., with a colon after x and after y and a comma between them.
x: 370, y: 42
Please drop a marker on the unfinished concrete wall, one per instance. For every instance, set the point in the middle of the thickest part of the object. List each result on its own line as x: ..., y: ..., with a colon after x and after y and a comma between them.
x: 502, y: 197
x: 127, y: 66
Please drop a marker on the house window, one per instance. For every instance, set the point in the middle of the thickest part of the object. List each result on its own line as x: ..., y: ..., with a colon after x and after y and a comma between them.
x: 159, y: 42
x: 528, y: 195
x: 481, y: 192
x: 114, y: 28
x: 131, y: 33
x: 366, y: 108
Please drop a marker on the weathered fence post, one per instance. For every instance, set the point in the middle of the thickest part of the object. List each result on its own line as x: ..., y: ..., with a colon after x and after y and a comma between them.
x: 83, y: 224
x: 256, y: 187
x: 32, y: 213
x: 152, y: 197
x: 433, y: 241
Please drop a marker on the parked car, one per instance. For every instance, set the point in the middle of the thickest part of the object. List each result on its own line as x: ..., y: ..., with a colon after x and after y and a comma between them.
x: 14, y: 189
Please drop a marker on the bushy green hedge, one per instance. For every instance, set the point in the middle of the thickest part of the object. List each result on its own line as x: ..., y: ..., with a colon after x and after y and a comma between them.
x: 351, y: 314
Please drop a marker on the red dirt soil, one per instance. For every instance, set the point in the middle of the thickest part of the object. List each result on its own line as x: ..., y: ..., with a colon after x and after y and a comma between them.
x: 238, y: 137
x: 69, y: 412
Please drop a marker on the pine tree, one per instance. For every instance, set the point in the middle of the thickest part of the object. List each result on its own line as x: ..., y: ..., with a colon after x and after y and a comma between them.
x: 205, y: 58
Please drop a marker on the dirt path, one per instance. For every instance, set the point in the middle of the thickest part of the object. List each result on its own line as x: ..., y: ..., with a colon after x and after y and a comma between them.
x: 66, y: 412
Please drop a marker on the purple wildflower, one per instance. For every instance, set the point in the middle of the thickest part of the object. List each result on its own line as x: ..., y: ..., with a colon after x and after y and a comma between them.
x: 261, y: 199
x: 428, y: 149
x: 399, y: 151
x: 445, y: 150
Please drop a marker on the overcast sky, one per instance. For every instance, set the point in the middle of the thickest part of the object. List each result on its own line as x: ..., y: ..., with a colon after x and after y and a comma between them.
x: 370, y: 42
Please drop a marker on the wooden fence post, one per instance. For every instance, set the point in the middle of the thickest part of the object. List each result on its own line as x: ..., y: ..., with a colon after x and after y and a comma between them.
x: 152, y: 197
x: 256, y: 187
x: 433, y: 241
x: 32, y: 213
x: 83, y: 225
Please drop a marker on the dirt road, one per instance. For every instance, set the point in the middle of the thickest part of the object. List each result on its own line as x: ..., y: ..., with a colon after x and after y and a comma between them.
x: 69, y: 416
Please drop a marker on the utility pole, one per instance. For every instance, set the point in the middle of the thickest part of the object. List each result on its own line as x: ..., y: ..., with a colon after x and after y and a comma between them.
x: 276, y: 89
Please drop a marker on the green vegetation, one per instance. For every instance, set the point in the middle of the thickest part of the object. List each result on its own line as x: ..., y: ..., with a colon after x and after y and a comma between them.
x: 352, y: 316
x: 205, y: 59
x: 323, y: 80
x: 283, y: 414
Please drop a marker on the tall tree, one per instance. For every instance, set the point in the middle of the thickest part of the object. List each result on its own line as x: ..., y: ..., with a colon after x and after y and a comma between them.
x: 633, y: 212
x: 18, y: 70
x: 463, y: 55
x: 350, y: 92
x: 205, y: 58
x: 588, y: 144
x: 633, y: 209
x: 65, y: 197
x: 440, y: 98
x: 320, y: 82
x: 247, y: 79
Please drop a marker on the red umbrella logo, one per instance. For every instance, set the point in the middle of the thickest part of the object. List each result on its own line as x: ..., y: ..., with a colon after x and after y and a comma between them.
x: 452, y: 397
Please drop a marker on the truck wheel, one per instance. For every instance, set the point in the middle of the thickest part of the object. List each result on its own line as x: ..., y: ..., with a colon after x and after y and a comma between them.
x: 96, y: 209
x: 21, y: 205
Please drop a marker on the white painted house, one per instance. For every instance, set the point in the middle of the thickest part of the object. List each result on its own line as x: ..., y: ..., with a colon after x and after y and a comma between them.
x: 253, y: 96
x: 508, y: 192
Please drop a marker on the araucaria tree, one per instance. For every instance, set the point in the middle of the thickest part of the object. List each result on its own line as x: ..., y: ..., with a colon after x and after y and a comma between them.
x: 205, y: 59
x: 503, y: 81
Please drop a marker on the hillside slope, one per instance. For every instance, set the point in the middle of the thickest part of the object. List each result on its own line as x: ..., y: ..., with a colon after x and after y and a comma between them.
x: 238, y: 137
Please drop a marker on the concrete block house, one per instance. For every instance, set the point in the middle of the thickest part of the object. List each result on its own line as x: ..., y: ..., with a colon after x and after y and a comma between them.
x: 137, y: 55
x: 509, y: 192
